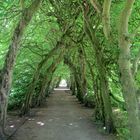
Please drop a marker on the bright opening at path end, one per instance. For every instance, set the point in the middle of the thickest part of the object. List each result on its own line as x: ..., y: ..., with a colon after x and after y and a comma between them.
x: 62, y: 85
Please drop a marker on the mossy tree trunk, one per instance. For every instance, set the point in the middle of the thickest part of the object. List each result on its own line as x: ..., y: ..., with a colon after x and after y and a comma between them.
x: 127, y: 79
x: 77, y: 78
x: 58, y: 82
x: 99, y: 107
x: 48, y: 77
x: 72, y: 87
x: 101, y: 68
x: 29, y: 94
x: 82, y: 70
x: 7, y: 70
x: 49, y: 89
x: 79, y: 92
x: 44, y: 86
x: 32, y: 85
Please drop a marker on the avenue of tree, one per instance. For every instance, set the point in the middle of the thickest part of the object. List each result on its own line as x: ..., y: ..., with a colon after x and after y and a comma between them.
x: 93, y: 44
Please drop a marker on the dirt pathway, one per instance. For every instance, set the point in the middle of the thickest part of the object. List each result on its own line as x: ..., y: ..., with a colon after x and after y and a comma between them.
x: 63, y: 119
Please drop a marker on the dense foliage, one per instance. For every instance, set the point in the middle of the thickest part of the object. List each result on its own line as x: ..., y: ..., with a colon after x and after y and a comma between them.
x: 92, y: 44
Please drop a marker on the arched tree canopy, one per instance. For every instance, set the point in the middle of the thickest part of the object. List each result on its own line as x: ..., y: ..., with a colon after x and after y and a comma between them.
x: 93, y: 45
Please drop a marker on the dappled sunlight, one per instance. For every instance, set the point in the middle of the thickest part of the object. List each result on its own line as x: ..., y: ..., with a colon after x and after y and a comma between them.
x: 41, y: 123
x: 116, y: 110
x: 12, y: 126
x: 31, y: 119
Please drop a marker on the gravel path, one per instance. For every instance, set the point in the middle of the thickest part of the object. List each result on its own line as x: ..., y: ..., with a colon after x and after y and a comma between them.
x: 63, y: 119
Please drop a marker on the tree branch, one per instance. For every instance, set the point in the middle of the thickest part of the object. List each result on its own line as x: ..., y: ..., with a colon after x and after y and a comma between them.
x: 106, y: 18
x: 96, y: 6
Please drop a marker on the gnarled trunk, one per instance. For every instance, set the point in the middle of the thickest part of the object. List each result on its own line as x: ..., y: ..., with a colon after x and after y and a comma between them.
x: 72, y: 87
x: 7, y: 70
x: 45, y: 85
x: 127, y: 79
x: 28, y: 98
x: 82, y: 71
x: 101, y: 68
x: 48, y: 78
x: 77, y: 78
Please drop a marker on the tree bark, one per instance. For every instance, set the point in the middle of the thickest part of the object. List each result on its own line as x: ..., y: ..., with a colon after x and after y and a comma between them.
x: 31, y: 87
x: 7, y: 70
x: 99, y: 107
x: 77, y: 79
x: 48, y: 77
x: 45, y: 84
x: 127, y: 79
x: 106, y: 18
x: 102, y: 74
x: 72, y: 87
x: 82, y: 71
x: 96, y: 5
x: 29, y: 94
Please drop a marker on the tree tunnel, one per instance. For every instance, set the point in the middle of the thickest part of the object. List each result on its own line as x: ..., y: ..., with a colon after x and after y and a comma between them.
x: 93, y: 45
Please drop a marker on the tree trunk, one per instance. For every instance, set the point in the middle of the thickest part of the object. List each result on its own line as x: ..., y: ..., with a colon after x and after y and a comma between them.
x: 28, y: 98
x: 31, y: 88
x: 79, y: 93
x: 102, y: 74
x: 77, y: 79
x: 83, y: 71
x: 99, y: 109
x: 72, y: 87
x: 45, y: 85
x: 106, y: 100
x: 7, y: 70
x: 48, y: 77
x: 49, y: 89
x: 58, y: 82
x: 106, y: 18
x: 127, y: 79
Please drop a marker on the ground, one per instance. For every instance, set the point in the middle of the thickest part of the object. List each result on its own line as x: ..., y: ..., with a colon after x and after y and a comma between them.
x: 64, y: 118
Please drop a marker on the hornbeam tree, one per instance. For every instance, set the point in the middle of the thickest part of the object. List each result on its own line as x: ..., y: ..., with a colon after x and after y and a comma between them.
x: 127, y: 78
x: 10, y: 58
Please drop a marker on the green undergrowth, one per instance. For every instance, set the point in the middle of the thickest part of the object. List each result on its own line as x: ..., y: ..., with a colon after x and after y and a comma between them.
x: 121, y: 123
